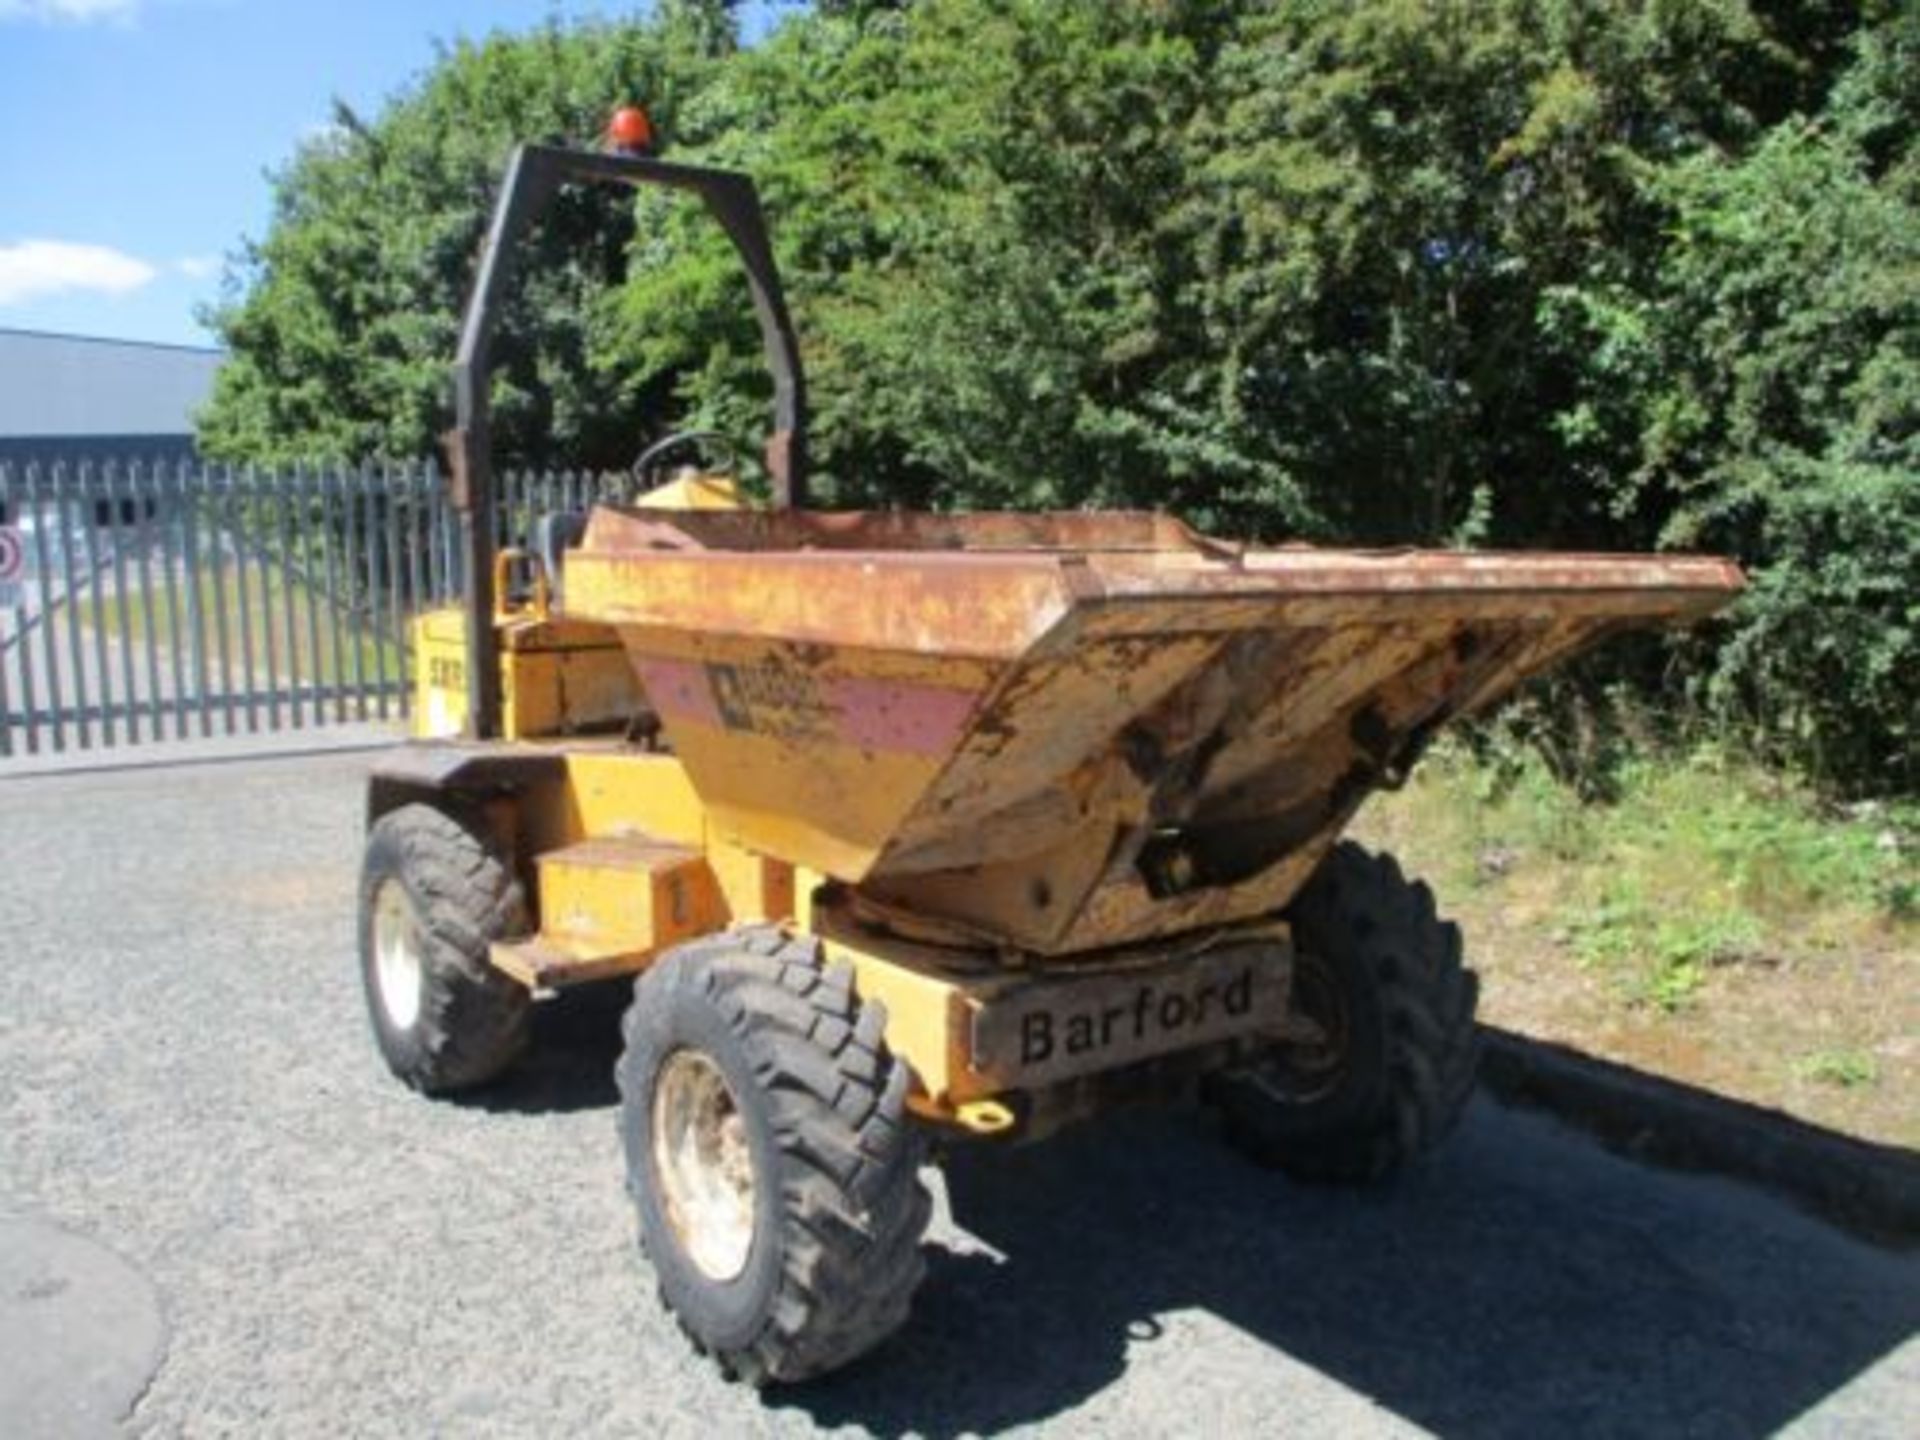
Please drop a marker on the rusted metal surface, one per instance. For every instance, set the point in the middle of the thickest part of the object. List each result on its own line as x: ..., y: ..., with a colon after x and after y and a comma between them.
x: 1065, y: 732
x: 1062, y: 1024
x: 961, y: 1014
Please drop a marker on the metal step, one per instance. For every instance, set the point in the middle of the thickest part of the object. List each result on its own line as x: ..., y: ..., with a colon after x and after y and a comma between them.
x: 608, y: 905
x: 541, y: 966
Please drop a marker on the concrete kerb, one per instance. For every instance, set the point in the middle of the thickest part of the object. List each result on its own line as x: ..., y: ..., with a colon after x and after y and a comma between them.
x: 220, y: 750
x: 1870, y: 1189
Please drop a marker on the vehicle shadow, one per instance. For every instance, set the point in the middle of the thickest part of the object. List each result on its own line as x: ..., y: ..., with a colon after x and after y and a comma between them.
x: 1527, y: 1283
x: 569, y: 1064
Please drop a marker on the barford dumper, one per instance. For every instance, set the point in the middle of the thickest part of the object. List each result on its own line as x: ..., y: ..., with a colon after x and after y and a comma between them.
x: 922, y: 825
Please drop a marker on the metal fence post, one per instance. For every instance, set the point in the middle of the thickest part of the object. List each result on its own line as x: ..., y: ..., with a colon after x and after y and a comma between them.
x: 95, y: 511
x: 43, y: 568
x: 7, y: 646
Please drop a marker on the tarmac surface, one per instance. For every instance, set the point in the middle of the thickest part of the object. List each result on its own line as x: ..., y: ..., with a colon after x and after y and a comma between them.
x: 219, y: 1215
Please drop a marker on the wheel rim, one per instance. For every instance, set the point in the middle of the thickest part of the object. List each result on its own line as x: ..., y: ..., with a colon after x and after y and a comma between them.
x: 396, y: 955
x: 704, y: 1164
x: 1311, y: 1066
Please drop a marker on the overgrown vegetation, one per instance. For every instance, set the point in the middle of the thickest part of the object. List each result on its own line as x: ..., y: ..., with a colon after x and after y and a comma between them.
x: 1710, y: 920
x: 1501, y: 272
x: 1696, y: 866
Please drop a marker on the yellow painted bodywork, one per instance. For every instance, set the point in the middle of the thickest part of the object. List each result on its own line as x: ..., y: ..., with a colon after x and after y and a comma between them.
x: 788, y: 787
x: 938, y: 996
x: 627, y: 863
x: 1021, y: 773
x: 630, y: 860
x: 619, y: 793
x: 624, y: 895
x: 1026, y: 730
x: 929, y: 1011
x: 557, y: 677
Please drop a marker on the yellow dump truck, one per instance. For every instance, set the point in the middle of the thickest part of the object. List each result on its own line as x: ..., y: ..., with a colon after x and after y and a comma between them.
x: 912, y: 825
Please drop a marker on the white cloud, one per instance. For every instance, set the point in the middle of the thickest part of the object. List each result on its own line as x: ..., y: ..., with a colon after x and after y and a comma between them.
x: 34, y: 269
x: 197, y: 267
x: 76, y: 12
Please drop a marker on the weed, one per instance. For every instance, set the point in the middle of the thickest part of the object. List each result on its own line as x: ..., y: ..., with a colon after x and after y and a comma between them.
x: 1695, y: 864
x: 1674, y: 985
x: 1846, y: 1068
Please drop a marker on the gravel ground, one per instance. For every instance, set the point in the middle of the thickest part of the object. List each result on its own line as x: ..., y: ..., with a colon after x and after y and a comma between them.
x: 185, y: 1076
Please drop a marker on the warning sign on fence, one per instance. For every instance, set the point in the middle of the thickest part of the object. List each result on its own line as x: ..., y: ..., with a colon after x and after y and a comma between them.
x: 13, y: 563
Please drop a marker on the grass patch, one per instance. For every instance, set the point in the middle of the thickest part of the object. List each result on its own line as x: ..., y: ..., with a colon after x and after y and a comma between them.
x: 1710, y: 921
x: 1699, y: 862
x: 1656, y: 956
x: 223, y: 599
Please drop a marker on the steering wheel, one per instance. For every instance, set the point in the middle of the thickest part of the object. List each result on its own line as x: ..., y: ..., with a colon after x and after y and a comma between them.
x: 709, y: 450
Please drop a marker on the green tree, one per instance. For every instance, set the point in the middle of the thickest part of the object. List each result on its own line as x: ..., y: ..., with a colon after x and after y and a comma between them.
x: 342, y: 320
x: 1521, y: 272
x: 1765, y: 381
x: 971, y: 204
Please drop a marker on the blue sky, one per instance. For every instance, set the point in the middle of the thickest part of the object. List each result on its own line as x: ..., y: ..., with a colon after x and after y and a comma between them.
x: 135, y: 136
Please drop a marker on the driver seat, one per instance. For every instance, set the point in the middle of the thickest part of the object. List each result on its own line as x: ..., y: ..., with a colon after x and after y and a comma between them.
x: 554, y: 534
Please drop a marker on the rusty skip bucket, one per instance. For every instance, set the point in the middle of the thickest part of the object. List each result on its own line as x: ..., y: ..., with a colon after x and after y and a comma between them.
x: 1063, y: 731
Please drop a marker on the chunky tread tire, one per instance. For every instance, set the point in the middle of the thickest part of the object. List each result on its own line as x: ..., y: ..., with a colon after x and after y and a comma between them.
x: 1413, y: 1049
x: 841, y: 1210
x: 473, y: 1021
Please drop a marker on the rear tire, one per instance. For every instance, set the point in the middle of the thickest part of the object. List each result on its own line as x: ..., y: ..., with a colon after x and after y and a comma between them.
x: 433, y: 895
x: 1379, y: 973
x: 770, y: 1155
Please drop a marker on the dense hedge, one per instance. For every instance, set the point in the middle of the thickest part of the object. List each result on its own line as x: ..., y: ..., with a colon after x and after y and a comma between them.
x: 1508, y: 272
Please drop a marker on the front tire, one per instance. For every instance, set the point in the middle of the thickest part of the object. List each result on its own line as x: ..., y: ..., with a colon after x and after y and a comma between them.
x: 770, y: 1155
x: 1394, y: 1049
x: 433, y: 896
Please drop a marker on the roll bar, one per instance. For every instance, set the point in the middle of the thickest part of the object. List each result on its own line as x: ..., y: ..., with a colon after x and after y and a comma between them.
x: 534, y: 175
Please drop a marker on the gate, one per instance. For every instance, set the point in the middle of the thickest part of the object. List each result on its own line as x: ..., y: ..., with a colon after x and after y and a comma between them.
x: 159, y: 602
